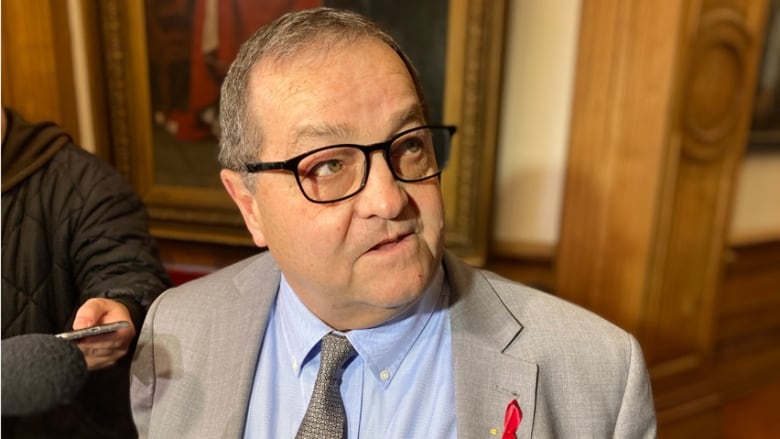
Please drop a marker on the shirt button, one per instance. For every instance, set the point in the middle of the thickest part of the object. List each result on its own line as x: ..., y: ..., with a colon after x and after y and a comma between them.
x: 384, y: 375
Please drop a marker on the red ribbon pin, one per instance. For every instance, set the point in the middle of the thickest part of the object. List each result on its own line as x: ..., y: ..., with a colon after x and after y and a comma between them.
x: 512, y: 420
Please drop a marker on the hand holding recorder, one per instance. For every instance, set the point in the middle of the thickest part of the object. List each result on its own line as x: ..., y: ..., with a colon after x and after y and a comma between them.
x: 42, y: 371
x: 101, y: 349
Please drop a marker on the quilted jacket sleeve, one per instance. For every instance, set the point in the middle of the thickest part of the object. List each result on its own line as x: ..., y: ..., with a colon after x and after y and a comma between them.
x: 112, y: 253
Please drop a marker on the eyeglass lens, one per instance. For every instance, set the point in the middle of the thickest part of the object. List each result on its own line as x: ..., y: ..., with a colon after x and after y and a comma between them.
x: 340, y: 171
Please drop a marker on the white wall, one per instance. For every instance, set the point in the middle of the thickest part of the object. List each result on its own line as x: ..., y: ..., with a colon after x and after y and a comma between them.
x: 756, y: 215
x: 533, y: 132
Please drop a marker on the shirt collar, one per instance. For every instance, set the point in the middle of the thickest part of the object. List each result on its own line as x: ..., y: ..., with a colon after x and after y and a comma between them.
x: 382, y: 348
x: 301, y: 329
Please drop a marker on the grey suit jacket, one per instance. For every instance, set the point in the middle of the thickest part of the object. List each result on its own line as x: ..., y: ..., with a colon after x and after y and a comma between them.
x: 573, y: 374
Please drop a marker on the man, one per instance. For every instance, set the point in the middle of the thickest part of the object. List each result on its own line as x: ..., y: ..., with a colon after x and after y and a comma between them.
x: 354, y: 236
x: 76, y: 253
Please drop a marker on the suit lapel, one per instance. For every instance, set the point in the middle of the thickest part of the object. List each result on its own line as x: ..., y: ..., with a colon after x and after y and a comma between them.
x: 487, y: 374
x: 237, y: 336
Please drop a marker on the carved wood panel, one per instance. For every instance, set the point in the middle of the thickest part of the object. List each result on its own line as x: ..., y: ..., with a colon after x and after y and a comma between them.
x: 661, y: 111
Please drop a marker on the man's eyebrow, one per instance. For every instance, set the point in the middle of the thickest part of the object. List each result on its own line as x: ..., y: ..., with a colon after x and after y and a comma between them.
x: 303, y: 136
x: 321, y: 132
x: 412, y: 114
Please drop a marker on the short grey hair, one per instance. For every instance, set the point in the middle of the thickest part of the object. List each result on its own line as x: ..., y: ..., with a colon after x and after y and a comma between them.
x: 241, y: 137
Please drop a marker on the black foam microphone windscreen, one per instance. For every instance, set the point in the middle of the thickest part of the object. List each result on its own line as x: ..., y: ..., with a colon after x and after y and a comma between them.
x: 39, y: 372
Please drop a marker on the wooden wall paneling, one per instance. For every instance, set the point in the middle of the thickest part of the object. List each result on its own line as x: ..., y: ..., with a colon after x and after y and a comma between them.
x: 37, y: 67
x: 749, y: 302
x: 622, y: 109
x: 747, y: 335
x: 660, y: 118
x: 754, y: 416
x: 715, y: 93
x: 536, y: 272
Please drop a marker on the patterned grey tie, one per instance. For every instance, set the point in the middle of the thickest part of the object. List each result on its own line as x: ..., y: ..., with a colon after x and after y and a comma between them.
x: 325, y: 417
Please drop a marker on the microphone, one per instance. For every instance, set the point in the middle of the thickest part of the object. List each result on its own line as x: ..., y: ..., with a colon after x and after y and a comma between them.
x: 39, y: 372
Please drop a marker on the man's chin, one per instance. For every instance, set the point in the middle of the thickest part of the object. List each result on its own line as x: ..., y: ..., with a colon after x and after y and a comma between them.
x: 398, y: 301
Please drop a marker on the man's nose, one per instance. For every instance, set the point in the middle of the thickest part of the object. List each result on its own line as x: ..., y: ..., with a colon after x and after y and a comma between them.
x: 382, y: 195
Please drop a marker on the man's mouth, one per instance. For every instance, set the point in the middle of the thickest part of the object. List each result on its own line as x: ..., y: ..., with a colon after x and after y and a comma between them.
x: 388, y: 243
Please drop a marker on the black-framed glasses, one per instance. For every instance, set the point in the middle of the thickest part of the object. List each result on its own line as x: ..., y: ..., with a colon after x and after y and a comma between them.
x: 334, y: 173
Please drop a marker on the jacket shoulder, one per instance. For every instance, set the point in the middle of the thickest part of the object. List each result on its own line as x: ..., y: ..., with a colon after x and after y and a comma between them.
x: 223, y: 283
x: 545, y: 319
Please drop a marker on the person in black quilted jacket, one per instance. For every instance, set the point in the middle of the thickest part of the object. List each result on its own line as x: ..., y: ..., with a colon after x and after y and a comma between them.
x: 76, y: 251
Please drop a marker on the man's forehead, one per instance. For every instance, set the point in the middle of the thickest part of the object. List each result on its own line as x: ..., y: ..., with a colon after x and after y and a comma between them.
x: 296, y: 89
x: 283, y: 75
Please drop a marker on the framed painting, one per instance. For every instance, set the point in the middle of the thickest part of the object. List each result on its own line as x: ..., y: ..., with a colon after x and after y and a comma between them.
x: 162, y: 72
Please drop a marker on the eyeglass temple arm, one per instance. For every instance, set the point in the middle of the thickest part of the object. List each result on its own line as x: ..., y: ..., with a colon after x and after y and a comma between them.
x: 260, y: 167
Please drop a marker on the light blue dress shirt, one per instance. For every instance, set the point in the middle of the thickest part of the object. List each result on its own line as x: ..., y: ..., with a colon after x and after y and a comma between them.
x: 399, y: 386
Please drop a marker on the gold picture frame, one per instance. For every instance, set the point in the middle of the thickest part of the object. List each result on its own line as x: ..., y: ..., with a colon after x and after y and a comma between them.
x: 471, y: 101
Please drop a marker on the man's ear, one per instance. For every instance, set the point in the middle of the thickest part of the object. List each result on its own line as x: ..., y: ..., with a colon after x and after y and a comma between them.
x: 246, y: 203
